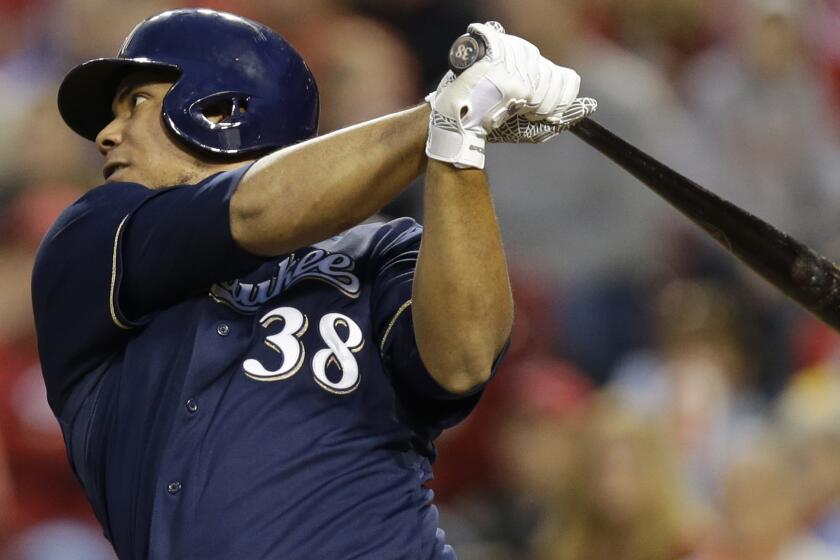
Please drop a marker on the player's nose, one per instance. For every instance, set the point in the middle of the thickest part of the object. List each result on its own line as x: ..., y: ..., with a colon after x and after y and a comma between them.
x: 109, y: 137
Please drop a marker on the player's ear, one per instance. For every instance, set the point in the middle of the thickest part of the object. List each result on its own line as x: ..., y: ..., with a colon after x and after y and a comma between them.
x: 225, y: 110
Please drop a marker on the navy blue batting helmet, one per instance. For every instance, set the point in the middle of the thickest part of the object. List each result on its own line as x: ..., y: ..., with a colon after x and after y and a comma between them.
x: 221, y: 60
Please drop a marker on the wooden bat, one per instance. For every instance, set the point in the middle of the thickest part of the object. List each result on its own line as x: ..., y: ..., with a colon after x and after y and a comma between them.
x: 808, y: 278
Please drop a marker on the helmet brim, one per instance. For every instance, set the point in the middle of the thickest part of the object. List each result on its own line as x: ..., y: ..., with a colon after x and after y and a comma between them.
x: 87, y: 92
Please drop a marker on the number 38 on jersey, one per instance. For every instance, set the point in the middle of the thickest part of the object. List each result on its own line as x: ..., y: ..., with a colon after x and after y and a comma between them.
x: 338, y: 351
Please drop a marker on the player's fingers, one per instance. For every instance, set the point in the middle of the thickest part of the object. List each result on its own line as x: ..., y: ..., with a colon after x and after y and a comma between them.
x: 570, y: 81
x: 492, y: 37
x: 576, y: 111
x: 532, y: 65
x: 553, y: 91
x: 544, y: 86
x: 519, y: 57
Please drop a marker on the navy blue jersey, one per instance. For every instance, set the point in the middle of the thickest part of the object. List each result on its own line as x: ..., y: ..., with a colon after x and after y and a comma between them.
x: 219, y: 405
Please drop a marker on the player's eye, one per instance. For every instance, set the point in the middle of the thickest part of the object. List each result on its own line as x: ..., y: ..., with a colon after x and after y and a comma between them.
x: 137, y: 99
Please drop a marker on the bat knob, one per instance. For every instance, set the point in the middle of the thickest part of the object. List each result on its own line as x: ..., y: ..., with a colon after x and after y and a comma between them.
x: 468, y: 49
x: 465, y: 51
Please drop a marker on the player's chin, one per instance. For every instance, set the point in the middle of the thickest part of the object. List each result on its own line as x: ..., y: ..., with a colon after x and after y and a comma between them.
x: 130, y: 174
x: 121, y: 173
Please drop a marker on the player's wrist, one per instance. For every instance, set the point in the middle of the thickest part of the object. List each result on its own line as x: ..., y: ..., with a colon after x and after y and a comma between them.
x: 448, y: 141
x: 456, y: 134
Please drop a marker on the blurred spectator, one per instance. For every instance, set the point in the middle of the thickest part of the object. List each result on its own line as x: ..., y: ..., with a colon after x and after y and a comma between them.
x: 623, y: 501
x: 811, y: 402
x: 761, y: 515
x: 364, y: 70
x: 824, y: 36
x: 813, y: 342
x: 51, y: 152
x: 666, y: 32
x: 537, y: 442
x: 697, y: 380
x: 534, y: 436
x: 84, y: 29
x: 818, y: 478
x: 290, y: 18
x: 810, y: 411
x: 60, y: 540
x: 7, y: 497
x: 766, y: 318
x: 12, y: 14
x: 764, y: 116
x: 603, y: 321
x: 44, y: 488
x: 429, y: 26
x: 490, y: 505
x: 56, y: 39
x: 63, y: 33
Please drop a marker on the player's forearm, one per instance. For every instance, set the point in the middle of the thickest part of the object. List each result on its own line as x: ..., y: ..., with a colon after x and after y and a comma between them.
x: 311, y: 191
x: 461, y: 300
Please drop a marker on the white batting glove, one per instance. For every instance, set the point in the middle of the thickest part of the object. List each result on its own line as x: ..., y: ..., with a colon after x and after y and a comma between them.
x: 521, y: 129
x: 512, y: 78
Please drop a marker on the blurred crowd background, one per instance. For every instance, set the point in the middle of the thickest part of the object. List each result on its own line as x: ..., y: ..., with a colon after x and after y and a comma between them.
x: 659, y: 401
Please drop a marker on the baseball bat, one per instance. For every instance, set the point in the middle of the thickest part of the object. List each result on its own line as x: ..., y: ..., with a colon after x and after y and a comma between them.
x: 808, y: 278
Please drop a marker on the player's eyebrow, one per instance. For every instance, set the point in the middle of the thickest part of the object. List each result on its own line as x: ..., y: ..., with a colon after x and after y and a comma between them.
x: 123, y: 92
x: 129, y: 86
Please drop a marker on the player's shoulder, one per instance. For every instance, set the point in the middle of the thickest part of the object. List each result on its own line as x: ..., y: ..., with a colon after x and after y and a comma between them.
x: 376, y: 237
x: 102, y: 202
x: 111, y: 192
x: 95, y: 214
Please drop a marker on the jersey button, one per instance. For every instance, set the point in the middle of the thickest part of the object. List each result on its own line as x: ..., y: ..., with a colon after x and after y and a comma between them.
x: 174, y: 487
x: 192, y: 406
x: 223, y: 329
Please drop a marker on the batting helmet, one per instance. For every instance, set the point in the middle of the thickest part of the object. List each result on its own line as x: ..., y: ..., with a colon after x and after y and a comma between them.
x: 221, y: 60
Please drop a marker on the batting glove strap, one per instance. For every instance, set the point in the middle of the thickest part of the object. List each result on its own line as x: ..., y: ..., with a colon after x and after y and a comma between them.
x: 449, y: 142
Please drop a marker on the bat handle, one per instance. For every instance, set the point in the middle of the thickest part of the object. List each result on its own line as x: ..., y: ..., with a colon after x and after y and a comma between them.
x: 468, y: 49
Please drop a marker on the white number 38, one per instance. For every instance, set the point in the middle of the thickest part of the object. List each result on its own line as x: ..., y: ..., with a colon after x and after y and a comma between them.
x: 339, y: 352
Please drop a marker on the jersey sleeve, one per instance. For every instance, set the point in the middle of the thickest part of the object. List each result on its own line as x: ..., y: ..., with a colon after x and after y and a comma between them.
x: 118, y: 254
x: 394, y: 258
x: 176, y: 243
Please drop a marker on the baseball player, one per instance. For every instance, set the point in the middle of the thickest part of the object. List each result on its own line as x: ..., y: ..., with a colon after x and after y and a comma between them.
x: 238, y: 368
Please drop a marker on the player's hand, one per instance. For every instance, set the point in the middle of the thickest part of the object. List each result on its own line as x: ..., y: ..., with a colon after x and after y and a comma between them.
x: 511, y: 79
x: 522, y: 129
